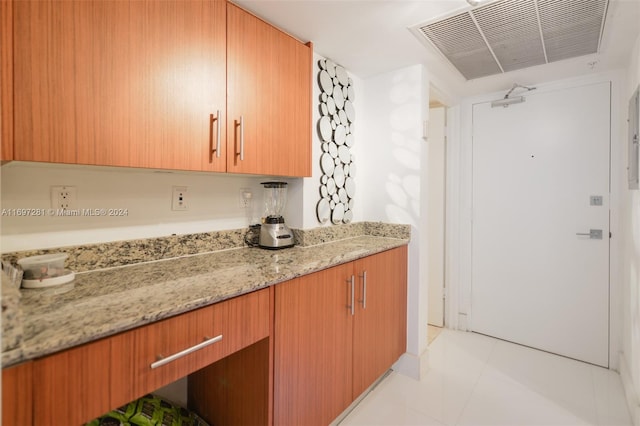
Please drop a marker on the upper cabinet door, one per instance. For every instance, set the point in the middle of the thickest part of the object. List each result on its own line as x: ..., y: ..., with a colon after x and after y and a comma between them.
x: 268, y: 98
x: 139, y: 84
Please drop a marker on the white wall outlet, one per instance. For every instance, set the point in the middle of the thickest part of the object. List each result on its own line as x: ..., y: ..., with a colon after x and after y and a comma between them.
x: 245, y: 198
x: 64, y: 197
x: 180, y: 199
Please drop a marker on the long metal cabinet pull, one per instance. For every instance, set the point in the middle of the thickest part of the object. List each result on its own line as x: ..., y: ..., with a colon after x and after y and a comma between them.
x: 241, y: 138
x: 218, y: 134
x: 352, y: 306
x: 217, y: 146
x: 364, y: 289
x: 162, y: 360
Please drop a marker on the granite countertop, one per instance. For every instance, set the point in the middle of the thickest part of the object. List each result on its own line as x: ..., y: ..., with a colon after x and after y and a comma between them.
x: 104, y: 302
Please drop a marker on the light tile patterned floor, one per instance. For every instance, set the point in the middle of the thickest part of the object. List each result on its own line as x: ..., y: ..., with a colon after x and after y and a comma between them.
x: 432, y: 333
x: 477, y: 380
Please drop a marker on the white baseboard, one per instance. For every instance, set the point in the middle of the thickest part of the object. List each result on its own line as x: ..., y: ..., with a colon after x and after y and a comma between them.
x: 412, y: 365
x: 630, y: 392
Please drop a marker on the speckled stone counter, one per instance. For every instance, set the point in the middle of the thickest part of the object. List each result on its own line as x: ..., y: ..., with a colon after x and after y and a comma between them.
x: 12, y: 322
x: 104, y: 302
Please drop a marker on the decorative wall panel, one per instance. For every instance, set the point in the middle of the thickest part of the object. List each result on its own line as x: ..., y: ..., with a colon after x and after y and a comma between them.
x: 335, y: 127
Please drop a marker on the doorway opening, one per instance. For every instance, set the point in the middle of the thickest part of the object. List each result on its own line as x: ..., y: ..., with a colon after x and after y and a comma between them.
x: 436, y: 183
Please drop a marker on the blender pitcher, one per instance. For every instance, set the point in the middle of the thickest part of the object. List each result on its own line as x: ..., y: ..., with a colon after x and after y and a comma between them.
x: 274, y: 234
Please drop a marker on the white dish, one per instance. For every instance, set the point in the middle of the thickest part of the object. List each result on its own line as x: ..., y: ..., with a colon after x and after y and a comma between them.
x: 50, y: 282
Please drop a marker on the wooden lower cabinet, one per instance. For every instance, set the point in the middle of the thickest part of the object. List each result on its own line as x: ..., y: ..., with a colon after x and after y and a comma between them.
x: 332, y: 342
x: 381, y: 316
x: 297, y: 353
x: 77, y: 385
x: 229, y: 326
x: 17, y: 388
x: 72, y: 387
x: 313, y: 336
x: 234, y: 390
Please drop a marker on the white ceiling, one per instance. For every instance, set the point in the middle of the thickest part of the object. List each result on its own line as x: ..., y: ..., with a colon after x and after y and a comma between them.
x: 369, y: 37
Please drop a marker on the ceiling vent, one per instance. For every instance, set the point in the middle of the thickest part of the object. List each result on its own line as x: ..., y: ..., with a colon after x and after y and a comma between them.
x: 507, y: 35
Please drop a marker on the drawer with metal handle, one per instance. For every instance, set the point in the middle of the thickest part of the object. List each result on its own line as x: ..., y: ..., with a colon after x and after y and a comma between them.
x: 149, y: 357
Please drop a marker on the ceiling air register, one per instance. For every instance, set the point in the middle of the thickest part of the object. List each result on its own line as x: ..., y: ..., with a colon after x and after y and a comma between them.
x: 508, y: 35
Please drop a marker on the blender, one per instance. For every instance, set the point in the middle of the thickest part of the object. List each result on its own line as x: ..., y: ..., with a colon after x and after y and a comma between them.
x: 274, y: 234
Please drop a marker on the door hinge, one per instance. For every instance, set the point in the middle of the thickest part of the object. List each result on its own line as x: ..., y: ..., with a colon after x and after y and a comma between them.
x: 610, y: 235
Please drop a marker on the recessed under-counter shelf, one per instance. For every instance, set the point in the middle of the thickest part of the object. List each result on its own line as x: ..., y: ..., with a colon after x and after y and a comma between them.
x: 149, y: 357
x: 87, y: 381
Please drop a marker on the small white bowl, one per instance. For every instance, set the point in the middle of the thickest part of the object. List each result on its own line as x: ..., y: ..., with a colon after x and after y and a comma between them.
x: 67, y: 277
x: 43, y: 267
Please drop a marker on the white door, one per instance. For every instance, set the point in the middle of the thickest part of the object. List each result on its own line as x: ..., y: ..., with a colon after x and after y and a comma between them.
x: 540, y: 171
x: 436, y: 146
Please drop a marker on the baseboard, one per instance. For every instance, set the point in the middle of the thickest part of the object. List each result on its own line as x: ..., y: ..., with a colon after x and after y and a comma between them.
x: 412, y: 365
x: 630, y: 392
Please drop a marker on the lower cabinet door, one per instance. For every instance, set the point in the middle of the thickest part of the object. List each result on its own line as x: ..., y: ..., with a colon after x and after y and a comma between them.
x: 17, y: 388
x: 72, y: 387
x: 313, y: 348
x: 336, y: 332
x: 380, y: 335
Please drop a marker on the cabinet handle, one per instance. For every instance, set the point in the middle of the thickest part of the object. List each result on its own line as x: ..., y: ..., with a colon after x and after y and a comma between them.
x: 364, y: 290
x: 352, y: 306
x: 241, y: 124
x: 215, y: 149
x: 162, y: 360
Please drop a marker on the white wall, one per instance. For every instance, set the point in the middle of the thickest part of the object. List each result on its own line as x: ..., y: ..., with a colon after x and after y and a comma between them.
x: 146, y: 194
x: 394, y: 174
x: 630, y: 261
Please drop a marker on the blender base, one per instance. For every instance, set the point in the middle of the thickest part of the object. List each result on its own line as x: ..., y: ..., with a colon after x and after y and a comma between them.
x: 274, y: 236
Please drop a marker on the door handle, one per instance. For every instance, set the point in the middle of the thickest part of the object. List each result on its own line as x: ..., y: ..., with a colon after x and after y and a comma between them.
x: 593, y: 234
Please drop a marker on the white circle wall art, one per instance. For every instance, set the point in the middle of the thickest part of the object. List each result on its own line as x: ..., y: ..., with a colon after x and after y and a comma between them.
x: 335, y: 127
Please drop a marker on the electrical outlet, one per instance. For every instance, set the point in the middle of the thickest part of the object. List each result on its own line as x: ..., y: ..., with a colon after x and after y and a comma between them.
x: 245, y: 198
x: 64, y: 197
x: 180, y: 200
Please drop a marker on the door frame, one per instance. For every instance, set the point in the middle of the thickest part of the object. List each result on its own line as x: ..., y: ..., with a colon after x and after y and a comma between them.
x: 459, y: 209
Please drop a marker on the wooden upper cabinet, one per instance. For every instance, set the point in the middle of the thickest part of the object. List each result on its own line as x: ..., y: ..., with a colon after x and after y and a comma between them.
x: 268, y: 98
x: 6, y: 81
x: 120, y: 83
x: 144, y: 84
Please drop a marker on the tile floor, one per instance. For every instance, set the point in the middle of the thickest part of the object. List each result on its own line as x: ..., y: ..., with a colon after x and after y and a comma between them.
x: 477, y: 380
